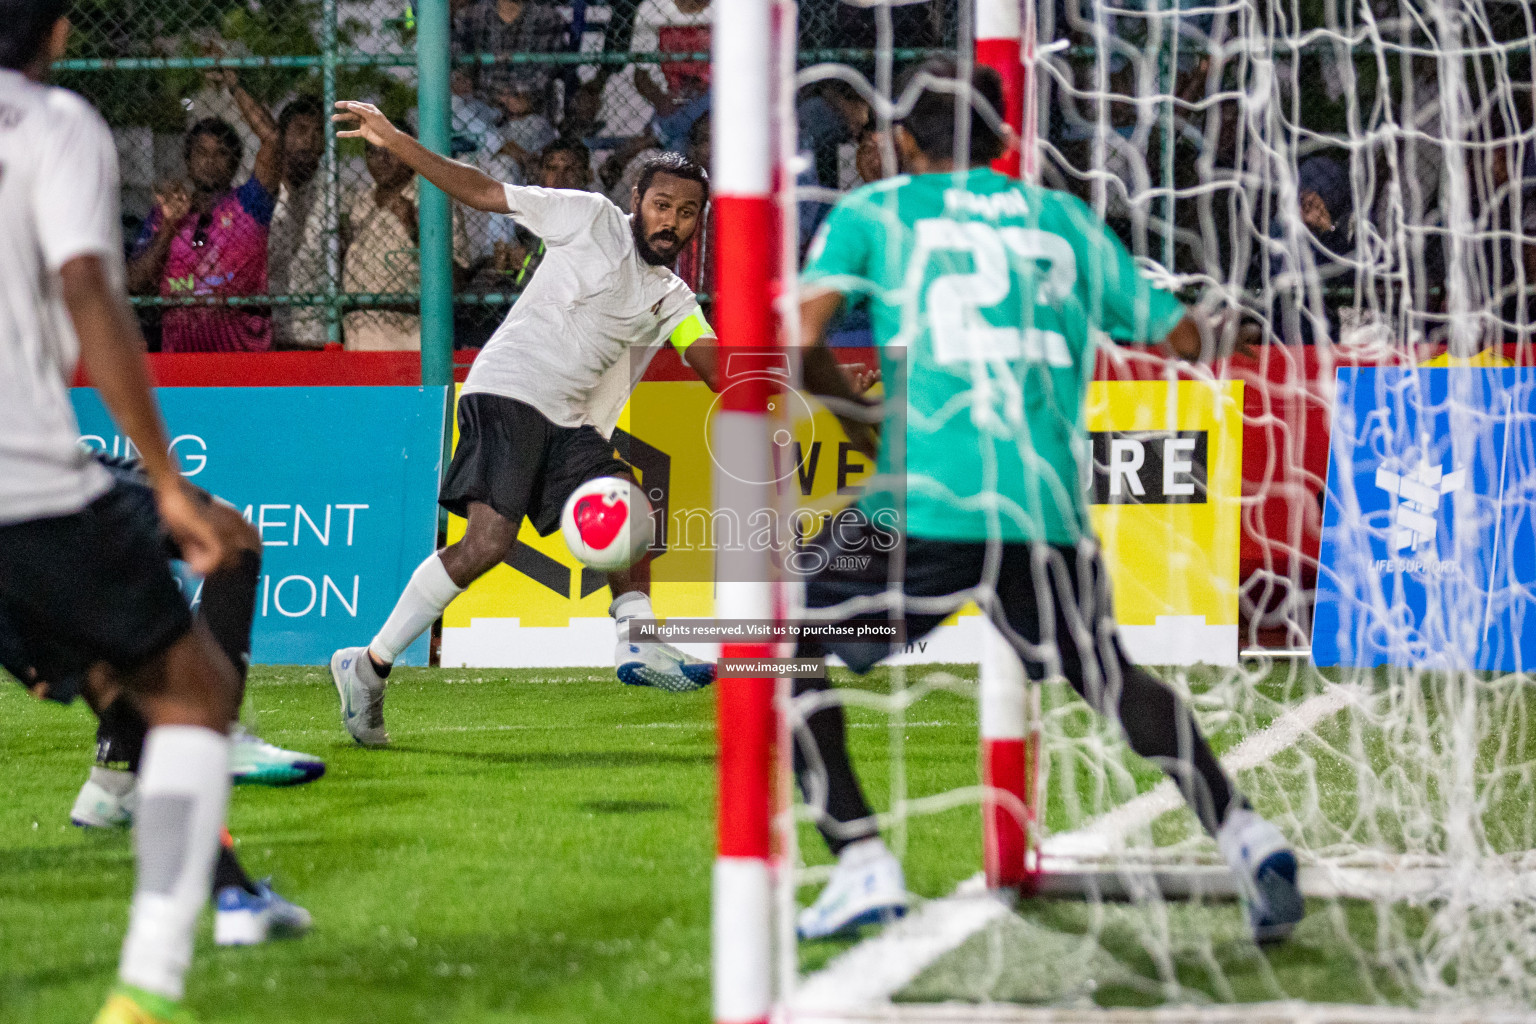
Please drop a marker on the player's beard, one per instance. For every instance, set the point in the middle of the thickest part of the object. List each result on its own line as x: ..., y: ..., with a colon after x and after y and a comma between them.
x: 644, y: 248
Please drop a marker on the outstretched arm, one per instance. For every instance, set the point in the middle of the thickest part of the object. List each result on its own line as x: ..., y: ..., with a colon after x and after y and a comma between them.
x: 823, y: 376
x: 269, y: 158
x: 468, y: 185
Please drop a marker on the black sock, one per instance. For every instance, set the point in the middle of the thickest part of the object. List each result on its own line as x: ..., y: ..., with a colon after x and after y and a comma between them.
x: 120, y: 732
x: 227, y: 872
x: 229, y: 605
x: 1156, y: 723
x: 380, y: 668
x: 1159, y: 727
x: 826, y: 766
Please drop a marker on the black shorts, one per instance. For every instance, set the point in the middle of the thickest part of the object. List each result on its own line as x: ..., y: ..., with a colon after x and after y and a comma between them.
x: 853, y: 560
x: 88, y: 587
x: 513, y: 459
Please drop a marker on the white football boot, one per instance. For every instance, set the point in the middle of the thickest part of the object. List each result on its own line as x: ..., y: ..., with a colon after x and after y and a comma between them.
x: 255, y: 762
x: 662, y: 666
x: 1265, y: 866
x: 362, y: 696
x: 249, y: 919
x: 106, y: 800
x: 867, y: 886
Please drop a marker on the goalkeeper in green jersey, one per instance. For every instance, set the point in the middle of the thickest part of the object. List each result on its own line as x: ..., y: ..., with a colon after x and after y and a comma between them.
x: 987, y: 296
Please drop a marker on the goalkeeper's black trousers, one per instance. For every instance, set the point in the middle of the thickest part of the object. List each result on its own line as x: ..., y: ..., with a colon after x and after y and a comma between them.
x: 1051, y: 602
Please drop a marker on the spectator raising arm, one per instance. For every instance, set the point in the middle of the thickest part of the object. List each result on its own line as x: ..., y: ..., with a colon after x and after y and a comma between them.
x: 268, y: 168
x: 470, y: 186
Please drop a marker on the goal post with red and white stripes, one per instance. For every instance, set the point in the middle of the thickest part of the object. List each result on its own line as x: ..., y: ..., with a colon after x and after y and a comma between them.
x: 750, y: 218
x: 1009, y: 713
x: 746, y: 226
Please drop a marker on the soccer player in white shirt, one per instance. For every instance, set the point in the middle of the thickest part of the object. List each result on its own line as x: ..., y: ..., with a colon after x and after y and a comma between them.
x: 83, y: 576
x: 544, y: 394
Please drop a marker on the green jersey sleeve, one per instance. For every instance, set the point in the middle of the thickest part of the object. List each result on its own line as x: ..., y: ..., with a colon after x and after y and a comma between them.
x: 840, y: 255
x: 1120, y: 299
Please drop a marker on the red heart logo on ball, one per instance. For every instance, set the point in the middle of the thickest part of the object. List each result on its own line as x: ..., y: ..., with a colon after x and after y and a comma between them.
x: 599, y: 520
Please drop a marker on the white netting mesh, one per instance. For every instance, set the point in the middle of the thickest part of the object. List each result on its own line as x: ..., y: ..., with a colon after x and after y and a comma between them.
x: 1343, y: 185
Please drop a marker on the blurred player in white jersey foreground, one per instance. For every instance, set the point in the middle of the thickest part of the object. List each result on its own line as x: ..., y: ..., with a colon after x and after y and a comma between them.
x: 83, y: 575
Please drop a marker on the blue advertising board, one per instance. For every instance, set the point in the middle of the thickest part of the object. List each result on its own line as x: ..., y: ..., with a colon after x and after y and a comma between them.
x: 1428, y: 555
x: 341, y: 483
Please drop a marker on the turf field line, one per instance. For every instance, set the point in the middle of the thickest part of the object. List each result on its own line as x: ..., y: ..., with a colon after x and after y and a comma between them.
x: 401, y: 734
x: 867, y: 975
x: 1108, y: 831
x: 1284, y: 1012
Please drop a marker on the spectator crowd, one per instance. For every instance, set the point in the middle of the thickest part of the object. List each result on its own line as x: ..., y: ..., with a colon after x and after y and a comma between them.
x: 1326, y: 238
x: 251, y: 245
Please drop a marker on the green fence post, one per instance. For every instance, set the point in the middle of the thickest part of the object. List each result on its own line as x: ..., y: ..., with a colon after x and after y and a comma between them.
x: 331, y: 196
x: 432, y: 114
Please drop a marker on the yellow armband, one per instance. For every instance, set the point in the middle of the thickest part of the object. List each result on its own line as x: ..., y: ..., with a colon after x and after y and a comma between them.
x: 691, y: 330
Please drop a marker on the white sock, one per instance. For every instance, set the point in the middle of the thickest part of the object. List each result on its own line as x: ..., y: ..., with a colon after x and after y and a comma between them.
x: 183, y: 792
x: 861, y: 852
x: 430, y: 591
x: 633, y: 605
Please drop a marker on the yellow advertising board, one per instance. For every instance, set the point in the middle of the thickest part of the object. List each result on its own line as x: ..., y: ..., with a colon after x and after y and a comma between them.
x: 1173, y: 557
x: 1169, y: 474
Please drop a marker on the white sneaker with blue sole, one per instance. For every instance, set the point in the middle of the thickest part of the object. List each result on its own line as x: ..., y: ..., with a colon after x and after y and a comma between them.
x: 362, y: 696
x: 244, y: 918
x: 1265, y: 866
x: 661, y: 666
x: 255, y: 762
x: 867, y: 887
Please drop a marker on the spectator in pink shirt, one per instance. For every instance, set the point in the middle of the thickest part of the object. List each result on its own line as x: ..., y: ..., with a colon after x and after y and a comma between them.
x: 210, y: 240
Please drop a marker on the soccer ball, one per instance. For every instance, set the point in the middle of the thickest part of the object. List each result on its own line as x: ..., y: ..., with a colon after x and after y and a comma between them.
x: 607, y: 523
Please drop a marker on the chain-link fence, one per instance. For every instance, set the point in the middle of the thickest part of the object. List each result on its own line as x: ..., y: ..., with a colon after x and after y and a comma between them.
x: 281, y: 237
x: 249, y: 226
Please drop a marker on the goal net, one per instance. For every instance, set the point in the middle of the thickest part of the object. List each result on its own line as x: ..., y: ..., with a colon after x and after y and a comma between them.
x: 1321, y: 540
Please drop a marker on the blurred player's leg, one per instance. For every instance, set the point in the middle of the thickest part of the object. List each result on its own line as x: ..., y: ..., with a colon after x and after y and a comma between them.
x: 107, y: 798
x: 228, y: 606
x: 186, y: 694
x: 1068, y: 591
x: 95, y: 586
x: 867, y: 884
x: 248, y: 912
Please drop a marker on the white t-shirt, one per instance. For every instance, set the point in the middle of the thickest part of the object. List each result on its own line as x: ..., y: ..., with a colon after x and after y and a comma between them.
x: 58, y: 200
x: 296, y: 255
x: 564, y: 347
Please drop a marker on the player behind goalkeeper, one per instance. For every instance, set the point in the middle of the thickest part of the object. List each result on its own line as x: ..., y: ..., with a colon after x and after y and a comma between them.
x: 545, y: 393
x: 995, y: 289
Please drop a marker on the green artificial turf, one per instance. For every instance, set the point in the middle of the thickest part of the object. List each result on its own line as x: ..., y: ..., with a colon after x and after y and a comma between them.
x: 536, y: 846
